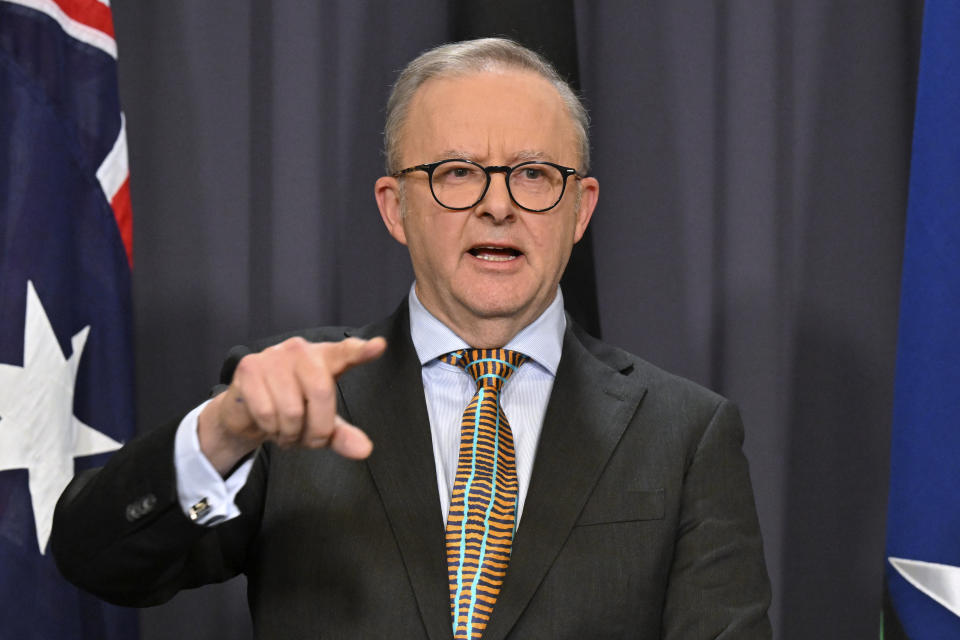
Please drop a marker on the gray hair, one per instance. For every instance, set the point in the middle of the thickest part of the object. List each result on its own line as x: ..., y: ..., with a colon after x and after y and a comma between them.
x: 458, y: 58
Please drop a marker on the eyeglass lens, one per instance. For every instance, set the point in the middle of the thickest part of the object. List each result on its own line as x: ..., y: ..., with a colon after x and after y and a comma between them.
x: 459, y: 185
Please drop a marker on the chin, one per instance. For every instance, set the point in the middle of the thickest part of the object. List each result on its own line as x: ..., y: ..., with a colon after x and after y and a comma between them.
x: 492, y: 307
x: 500, y: 299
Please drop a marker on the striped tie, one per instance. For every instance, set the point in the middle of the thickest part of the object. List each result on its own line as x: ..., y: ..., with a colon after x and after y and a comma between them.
x: 478, y: 542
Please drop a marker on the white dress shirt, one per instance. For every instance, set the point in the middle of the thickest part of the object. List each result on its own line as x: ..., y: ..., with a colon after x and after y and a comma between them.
x: 448, y: 389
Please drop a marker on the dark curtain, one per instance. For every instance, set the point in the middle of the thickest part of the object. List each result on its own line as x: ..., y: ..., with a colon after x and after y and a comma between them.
x: 753, y: 161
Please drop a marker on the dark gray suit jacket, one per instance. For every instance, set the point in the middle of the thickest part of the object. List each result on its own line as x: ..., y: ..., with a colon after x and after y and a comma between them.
x: 639, y: 521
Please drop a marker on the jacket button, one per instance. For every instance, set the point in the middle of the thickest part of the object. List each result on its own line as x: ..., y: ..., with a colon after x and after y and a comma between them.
x: 141, y: 507
x: 148, y: 502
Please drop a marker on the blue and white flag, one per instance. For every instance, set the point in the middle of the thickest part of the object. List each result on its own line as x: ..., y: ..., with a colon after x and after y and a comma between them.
x: 66, y: 360
x: 923, y: 527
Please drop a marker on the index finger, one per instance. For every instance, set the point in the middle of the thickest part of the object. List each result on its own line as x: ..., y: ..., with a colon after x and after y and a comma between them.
x: 340, y: 356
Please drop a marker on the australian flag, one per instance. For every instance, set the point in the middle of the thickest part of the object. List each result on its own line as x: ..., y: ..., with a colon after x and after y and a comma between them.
x: 66, y: 361
x: 923, y: 528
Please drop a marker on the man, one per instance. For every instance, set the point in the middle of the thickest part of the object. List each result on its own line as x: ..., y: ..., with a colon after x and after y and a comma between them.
x: 582, y: 493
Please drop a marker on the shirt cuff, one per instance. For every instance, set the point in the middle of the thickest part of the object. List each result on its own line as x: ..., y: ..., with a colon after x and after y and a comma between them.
x: 204, y: 496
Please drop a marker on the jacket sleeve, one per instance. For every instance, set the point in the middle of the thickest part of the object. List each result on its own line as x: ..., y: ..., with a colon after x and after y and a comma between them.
x: 119, y: 531
x: 718, y: 585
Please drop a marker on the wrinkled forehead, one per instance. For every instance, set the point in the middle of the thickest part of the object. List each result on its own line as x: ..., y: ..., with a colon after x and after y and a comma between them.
x: 490, y: 116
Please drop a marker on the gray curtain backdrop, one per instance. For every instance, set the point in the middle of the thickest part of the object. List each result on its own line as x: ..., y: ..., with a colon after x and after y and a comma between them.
x: 753, y: 160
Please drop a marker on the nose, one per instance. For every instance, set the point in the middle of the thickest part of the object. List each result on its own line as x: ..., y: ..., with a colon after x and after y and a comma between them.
x: 497, y: 203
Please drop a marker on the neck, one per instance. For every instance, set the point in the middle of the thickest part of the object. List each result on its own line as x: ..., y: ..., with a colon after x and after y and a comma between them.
x: 487, y: 334
x: 490, y: 332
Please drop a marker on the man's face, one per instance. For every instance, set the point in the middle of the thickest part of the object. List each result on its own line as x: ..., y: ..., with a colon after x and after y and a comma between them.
x: 494, y: 264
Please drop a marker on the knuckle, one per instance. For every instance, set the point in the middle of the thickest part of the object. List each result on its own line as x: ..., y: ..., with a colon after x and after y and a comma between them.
x: 324, y: 385
x: 294, y: 344
x: 322, y: 391
x: 291, y: 412
x: 263, y: 417
x: 244, y: 366
x: 290, y: 346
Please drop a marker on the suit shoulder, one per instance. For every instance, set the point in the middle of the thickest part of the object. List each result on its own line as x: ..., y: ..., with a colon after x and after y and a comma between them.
x: 671, y: 399
x: 690, y: 420
x: 653, y: 377
x: 680, y: 389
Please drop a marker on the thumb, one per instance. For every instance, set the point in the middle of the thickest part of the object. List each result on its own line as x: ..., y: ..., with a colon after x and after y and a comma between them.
x: 349, y: 441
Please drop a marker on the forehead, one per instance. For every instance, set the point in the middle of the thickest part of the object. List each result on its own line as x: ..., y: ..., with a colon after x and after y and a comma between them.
x: 489, y: 116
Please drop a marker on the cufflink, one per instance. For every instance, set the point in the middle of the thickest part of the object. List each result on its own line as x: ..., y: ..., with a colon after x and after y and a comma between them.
x: 199, y: 510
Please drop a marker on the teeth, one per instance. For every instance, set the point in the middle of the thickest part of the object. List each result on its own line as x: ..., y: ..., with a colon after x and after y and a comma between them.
x: 494, y: 254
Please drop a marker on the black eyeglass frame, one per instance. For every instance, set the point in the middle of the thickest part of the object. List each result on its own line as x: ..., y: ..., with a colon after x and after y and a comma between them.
x: 565, y: 172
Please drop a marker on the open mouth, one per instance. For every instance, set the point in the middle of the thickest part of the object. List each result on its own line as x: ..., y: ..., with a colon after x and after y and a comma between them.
x: 495, y: 254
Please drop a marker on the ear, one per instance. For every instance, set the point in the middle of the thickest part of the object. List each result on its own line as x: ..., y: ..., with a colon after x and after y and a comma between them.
x: 387, y: 192
x: 589, y: 193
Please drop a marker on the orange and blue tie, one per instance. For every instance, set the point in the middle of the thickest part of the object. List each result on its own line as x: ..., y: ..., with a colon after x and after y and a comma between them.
x: 483, y: 505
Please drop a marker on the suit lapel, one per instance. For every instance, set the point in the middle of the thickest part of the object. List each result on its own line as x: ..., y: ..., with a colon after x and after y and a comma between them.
x: 589, y: 408
x: 385, y: 398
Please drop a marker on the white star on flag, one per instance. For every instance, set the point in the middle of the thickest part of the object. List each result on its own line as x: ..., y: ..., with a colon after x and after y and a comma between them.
x: 939, y: 581
x: 38, y: 430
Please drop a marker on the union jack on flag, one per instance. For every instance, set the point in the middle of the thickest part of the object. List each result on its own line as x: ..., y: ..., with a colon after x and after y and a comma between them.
x: 66, y: 343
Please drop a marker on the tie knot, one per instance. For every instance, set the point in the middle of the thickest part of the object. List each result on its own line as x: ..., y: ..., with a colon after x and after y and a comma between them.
x: 489, y: 367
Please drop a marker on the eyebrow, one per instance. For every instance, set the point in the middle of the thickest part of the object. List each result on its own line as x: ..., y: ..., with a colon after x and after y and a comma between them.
x: 458, y: 154
x: 530, y: 154
x: 524, y: 155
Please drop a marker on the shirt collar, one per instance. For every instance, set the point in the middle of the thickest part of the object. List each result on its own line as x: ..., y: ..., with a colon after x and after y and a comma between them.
x: 541, y: 340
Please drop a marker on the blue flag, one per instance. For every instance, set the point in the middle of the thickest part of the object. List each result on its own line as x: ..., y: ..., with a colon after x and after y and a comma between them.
x: 66, y: 361
x: 923, y: 528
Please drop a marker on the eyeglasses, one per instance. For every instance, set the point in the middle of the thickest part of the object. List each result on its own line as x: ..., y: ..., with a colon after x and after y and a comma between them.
x: 461, y: 184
